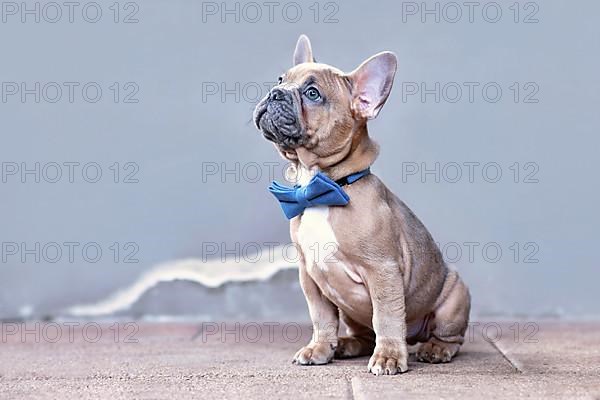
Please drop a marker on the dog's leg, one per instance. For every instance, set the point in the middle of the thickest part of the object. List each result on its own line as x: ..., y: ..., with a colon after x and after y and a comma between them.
x: 360, y: 340
x: 389, y: 321
x: 324, y: 317
x: 450, y: 322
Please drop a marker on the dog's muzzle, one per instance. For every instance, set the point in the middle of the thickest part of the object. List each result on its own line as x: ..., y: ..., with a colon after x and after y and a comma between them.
x: 277, y: 117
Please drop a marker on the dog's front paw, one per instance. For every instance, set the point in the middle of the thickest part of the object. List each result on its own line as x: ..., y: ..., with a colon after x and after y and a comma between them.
x: 314, y: 354
x: 389, y: 359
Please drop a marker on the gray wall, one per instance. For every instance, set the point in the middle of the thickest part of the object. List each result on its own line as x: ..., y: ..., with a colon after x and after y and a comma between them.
x: 177, y: 130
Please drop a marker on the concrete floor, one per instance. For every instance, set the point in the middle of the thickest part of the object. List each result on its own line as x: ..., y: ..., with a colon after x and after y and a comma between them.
x: 544, y: 360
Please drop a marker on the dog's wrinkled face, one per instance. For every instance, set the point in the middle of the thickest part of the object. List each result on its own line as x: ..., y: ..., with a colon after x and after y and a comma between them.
x: 317, y: 107
x: 307, y: 108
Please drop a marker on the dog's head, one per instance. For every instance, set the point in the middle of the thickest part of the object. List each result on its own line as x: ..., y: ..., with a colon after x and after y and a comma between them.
x: 318, y: 108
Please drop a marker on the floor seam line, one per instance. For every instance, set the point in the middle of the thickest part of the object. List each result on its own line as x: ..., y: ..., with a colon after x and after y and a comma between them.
x: 353, y: 387
x: 513, y: 363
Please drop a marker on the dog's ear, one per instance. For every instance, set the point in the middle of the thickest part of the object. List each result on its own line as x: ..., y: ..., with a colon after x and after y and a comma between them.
x: 371, y: 84
x: 303, y: 52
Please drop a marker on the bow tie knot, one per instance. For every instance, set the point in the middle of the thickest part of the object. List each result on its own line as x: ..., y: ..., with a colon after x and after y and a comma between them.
x: 301, y: 194
x: 320, y: 191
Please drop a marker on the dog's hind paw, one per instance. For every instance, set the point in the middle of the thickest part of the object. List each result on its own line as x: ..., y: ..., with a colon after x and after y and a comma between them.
x: 349, y: 346
x: 435, y: 351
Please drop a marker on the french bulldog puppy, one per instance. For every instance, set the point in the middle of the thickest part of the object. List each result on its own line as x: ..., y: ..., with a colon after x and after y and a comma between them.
x: 370, y: 262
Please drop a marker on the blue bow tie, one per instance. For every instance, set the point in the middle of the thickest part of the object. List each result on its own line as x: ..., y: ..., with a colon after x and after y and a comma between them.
x: 320, y: 191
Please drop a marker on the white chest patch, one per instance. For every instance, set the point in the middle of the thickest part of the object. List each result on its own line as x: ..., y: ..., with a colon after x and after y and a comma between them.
x: 318, y: 242
x: 317, y: 238
x: 315, y: 235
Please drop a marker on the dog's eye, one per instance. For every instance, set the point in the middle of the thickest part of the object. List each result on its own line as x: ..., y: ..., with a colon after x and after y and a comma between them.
x: 312, y: 94
x: 280, y: 80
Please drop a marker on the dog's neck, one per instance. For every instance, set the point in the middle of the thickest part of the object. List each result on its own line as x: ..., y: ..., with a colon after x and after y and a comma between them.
x: 361, y: 155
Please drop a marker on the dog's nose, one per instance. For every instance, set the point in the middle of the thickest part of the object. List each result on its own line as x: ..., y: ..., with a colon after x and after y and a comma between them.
x: 276, y: 94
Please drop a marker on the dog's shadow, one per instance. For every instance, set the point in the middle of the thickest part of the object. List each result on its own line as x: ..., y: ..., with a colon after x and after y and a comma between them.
x: 463, y: 358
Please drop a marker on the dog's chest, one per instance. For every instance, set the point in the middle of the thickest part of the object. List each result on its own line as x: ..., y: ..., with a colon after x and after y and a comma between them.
x: 321, y: 249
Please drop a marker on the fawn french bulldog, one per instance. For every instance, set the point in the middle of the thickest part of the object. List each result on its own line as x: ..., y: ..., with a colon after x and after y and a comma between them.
x: 378, y: 268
